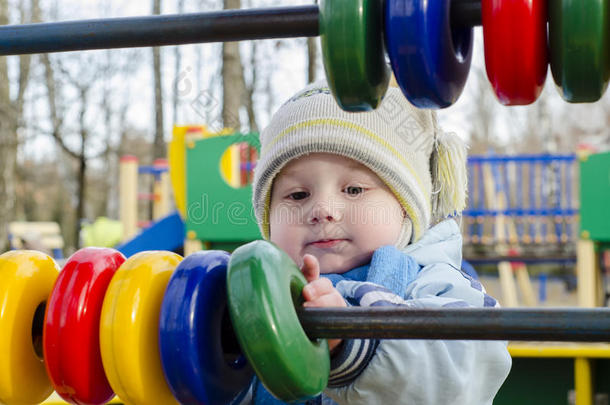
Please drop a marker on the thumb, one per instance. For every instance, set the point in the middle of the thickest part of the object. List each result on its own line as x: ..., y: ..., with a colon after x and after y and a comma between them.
x: 310, y: 268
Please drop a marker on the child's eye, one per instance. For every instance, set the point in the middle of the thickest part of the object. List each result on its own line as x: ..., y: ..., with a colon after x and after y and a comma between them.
x: 354, y: 190
x: 298, y: 195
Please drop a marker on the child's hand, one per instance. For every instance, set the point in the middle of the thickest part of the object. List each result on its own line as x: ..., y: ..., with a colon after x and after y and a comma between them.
x: 319, y: 292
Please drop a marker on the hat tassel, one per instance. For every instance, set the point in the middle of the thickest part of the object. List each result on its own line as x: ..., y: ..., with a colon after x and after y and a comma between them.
x: 449, y: 177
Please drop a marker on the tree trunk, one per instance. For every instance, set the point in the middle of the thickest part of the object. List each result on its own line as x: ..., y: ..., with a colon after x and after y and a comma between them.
x: 232, y: 79
x: 159, y: 142
x: 10, y: 119
x: 482, y: 116
x: 110, y: 160
x: 249, y: 91
x: 82, y: 167
x: 7, y: 144
x: 177, y: 68
x: 312, y: 57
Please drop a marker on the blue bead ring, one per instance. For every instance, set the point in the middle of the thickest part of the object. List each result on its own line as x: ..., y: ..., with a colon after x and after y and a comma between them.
x: 429, y: 57
x: 200, y: 355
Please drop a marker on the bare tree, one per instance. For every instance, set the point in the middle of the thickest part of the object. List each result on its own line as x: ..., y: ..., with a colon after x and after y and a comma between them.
x: 57, y: 132
x: 536, y: 128
x: 232, y: 79
x: 312, y: 59
x: 117, y: 64
x: 159, y: 142
x: 177, y: 71
x: 482, y: 115
x: 11, y: 112
x: 8, y: 143
x: 83, y: 83
x: 250, y: 88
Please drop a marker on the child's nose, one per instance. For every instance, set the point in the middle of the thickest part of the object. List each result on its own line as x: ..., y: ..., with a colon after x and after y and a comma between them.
x: 326, y: 211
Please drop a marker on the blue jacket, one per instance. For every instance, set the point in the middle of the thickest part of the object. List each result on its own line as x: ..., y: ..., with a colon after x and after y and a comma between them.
x: 425, y: 274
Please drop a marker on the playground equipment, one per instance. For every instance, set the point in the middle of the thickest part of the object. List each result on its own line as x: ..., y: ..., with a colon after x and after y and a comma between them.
x: 103, y: 232
x: 429, y: 44
x: 129, y: 194
x: 74, y: 364
x: 584, y: 367
x: 36, y: 235
x: 521, y: 209
x: 165, y: 230
x: 217, y: 212
x: 538, y: 215
x: 526, y: 200
x: 594, y: 228
x: 526, y: 356
x: 99, y: 290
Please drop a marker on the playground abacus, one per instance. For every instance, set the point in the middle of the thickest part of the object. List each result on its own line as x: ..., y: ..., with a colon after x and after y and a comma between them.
x: 430, y: 51
x: 429, y: 44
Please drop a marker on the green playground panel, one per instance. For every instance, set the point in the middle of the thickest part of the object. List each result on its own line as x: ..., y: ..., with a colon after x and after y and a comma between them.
x: 601, y: 377
x: 595, y: 196
x: 538, y: 381
x: 216, y: 211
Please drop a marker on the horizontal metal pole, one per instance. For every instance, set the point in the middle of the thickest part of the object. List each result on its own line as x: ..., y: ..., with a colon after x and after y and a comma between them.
x: 561, y: 325
x: 563, y: 259
x: 158, y: 30
x: 466, y: 13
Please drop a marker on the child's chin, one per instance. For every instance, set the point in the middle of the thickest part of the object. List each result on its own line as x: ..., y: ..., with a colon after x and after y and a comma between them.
x: 333, y: 268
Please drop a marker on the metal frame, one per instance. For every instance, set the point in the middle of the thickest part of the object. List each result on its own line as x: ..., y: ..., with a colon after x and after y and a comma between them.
x: 564, y: 325
x: 158, y: 30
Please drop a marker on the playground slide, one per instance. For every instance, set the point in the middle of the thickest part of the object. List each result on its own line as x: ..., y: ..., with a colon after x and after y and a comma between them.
x: 164, y: 234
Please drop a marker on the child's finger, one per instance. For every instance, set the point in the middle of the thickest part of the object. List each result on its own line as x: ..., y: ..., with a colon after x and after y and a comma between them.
x: 317, y: 288
x: 310, y: 268
x: 331, y: 300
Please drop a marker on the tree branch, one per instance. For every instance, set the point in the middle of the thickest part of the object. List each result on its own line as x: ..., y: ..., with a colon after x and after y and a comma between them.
x: 56, y: 120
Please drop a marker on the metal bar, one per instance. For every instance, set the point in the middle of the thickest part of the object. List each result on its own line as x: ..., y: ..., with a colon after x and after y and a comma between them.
x: 466, y: 13
x: 518, y: 212
x: 564, y: 325
x: 226, y: 25
x: 563, y: 259
x: 521, y: 158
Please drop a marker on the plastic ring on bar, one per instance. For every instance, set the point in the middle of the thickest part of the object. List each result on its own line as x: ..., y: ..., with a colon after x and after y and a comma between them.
x: 264, y: 287
x: 516, y: 54
x: 351, y: 36
x: 429, y: 57
x: 201, y: 358
x: 129, y: 328
x: 27, y: 279
x: 578, y: 34
x: 71, y: 329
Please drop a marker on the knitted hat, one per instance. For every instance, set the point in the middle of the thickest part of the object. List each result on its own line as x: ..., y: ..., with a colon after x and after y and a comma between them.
x: 424, y: 167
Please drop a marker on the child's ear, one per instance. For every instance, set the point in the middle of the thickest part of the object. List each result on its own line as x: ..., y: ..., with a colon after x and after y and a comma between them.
x: 449, y: 176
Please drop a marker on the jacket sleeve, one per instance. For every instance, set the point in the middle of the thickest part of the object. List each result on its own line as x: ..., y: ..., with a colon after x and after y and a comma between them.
x: 431, y: 371
x: 352, y: 358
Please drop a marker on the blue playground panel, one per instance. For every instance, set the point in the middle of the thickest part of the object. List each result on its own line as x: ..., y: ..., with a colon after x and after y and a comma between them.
x: 164, y: 234
x: 538, y: 191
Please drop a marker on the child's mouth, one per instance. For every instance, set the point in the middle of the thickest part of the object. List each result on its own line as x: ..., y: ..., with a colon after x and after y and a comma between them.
x: 326, y: 243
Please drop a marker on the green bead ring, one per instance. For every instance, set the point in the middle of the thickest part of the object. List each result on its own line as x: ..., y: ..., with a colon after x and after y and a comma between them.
x: 263, y: 286
x: 578, y: 35
x: 351, y: 34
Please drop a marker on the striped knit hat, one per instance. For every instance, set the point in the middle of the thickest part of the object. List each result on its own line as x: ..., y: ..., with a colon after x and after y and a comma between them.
x: 424, y: 167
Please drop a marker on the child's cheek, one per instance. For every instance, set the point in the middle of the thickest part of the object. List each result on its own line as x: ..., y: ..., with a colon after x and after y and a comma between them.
x: 284, y: 235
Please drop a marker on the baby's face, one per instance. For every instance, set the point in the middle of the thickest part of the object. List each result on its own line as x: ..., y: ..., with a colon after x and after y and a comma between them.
x: 333, y: 208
